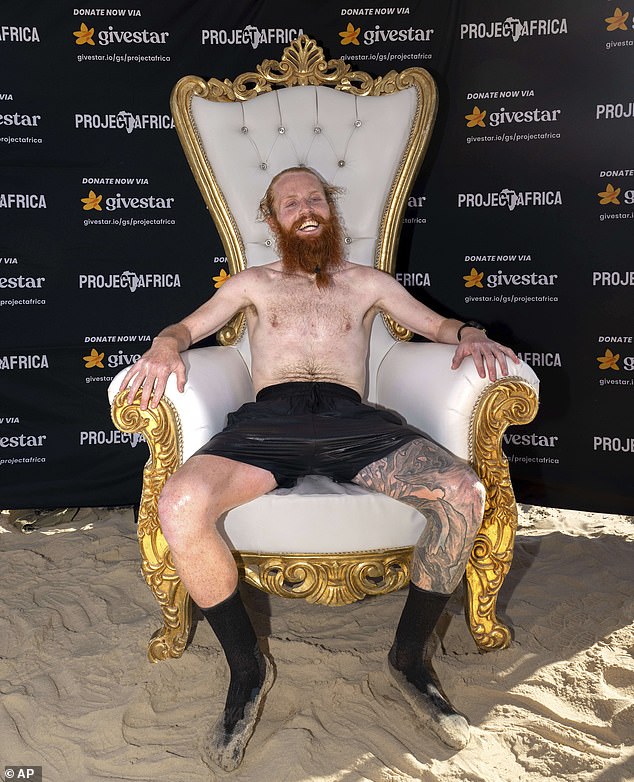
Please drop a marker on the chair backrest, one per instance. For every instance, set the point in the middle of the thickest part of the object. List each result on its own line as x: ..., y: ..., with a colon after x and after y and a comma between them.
x: 365, y: 135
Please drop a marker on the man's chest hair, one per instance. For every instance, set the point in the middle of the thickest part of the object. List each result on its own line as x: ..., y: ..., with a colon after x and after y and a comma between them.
x: 297, y: 304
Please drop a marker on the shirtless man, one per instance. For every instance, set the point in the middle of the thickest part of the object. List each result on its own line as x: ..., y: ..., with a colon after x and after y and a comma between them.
x: 309, y: 317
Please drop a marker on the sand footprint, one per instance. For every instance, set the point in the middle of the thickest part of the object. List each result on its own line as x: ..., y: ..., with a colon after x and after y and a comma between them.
x: 66, y: 604
x: 620, y: 678
x: 121, y: 609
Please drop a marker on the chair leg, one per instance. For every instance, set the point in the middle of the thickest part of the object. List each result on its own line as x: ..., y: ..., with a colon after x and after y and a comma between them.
x: 161, y: 429
x: 160, y: 575
x: 506, y: 402
x: 488, y: 565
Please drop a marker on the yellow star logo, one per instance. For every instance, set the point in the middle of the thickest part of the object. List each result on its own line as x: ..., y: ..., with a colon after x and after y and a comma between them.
x: 92, y: 201
x: 94, y: 359
x: 610, y: 195
x: 617, y: 22
x: 609, y: 360
x: 221, y: 278
x: 350, y: 35
x: 84, y: 35
x: 474, y: 279
x: 476, y: 118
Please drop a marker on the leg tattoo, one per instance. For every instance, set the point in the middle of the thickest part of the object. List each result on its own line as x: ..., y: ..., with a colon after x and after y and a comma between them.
x: 447, y: 492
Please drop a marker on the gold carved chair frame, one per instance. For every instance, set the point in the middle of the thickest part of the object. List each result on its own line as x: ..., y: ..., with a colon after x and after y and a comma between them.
x: 341, y: 578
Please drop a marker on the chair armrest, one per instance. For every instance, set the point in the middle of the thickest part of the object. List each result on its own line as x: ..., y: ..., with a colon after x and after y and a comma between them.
x: 416, y: 380
x: 218, y: 382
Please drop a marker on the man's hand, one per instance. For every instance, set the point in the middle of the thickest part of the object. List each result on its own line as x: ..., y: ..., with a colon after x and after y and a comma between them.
x: 485, y: 353
x: 152, y: 370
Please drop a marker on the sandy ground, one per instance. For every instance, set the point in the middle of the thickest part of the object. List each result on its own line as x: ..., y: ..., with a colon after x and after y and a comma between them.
x: 79, y: 698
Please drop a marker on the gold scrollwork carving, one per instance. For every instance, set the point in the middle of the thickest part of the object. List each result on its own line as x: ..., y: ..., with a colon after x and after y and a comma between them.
x: 327, y: 579
x: 231, y: 332
x: 302, y: 63
x: 162, y: 430
x: 396, y: 330
x: 507, y: 402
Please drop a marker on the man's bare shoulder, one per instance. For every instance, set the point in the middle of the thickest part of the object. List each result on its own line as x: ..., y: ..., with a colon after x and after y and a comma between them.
x: 254, y: 276
x: 367, y: 276
x: 363, y: 271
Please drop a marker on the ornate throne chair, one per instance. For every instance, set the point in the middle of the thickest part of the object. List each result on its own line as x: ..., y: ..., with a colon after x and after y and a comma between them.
x: 326, y: 542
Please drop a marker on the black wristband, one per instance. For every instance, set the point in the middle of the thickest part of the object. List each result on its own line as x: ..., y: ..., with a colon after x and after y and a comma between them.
x: 470, y: 323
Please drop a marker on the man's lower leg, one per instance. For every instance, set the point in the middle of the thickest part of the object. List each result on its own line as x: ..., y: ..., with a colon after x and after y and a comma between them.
x: 251, y: 678
x: 410, y: 671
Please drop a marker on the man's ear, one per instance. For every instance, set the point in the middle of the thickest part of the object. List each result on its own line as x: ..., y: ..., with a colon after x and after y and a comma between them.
x: 272, y: 224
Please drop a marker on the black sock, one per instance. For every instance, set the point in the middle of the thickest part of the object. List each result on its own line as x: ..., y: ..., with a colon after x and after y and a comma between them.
x: 421, y: 612
x: 410, y: 671
x: 232, y: 626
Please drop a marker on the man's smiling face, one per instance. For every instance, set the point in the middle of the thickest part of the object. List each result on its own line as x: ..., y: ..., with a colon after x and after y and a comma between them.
x: 300, y: 204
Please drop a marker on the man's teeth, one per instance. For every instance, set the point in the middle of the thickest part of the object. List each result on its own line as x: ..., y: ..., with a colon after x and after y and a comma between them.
x: 308, y: 224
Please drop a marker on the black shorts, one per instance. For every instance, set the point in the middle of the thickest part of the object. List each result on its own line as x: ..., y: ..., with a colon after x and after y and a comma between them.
x: 304, y: 428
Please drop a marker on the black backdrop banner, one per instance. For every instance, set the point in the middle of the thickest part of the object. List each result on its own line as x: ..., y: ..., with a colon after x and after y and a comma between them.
x: 521, y: 217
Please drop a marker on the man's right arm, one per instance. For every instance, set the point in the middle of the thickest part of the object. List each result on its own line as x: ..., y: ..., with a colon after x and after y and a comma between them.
x: 153, y: 369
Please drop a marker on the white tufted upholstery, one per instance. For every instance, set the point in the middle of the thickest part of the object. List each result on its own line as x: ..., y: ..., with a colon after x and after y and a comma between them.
x: 353, y: 131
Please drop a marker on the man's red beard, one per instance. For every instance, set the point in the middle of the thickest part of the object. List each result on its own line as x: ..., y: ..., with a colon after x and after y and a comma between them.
x: 319, y: 255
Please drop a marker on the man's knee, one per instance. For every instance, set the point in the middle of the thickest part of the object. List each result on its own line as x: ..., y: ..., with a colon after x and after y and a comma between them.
x: 471, y: 492
x: 480, y: 495
x: 183, y: 506
x: 470, y: 479
x: 479, y: 490
x: 173, y: 497
x: 466, y: 480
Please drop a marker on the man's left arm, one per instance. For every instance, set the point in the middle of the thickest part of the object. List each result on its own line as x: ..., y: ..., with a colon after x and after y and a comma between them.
x: 487, y: 354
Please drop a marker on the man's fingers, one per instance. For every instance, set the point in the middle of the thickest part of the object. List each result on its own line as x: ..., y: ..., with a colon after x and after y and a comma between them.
x: 508, y: 353
x: 154, y: 386
x: 134, y: 387
x: 181, y: 377
x: 487, y: 357
x: 491, y: 366
x: 150, y: 375
x: 159, y: 390
x: 148, y: 387
x: 479, y: 363
x: 126, y: 378
x: 505, y: 353
x: 504, y: 367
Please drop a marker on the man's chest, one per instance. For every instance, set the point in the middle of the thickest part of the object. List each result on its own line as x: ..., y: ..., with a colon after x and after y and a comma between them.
x: 304, y: 311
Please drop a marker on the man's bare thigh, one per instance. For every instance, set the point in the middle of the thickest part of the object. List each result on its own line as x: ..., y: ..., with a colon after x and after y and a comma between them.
x: 226, y: 482
x: 410, y: 469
